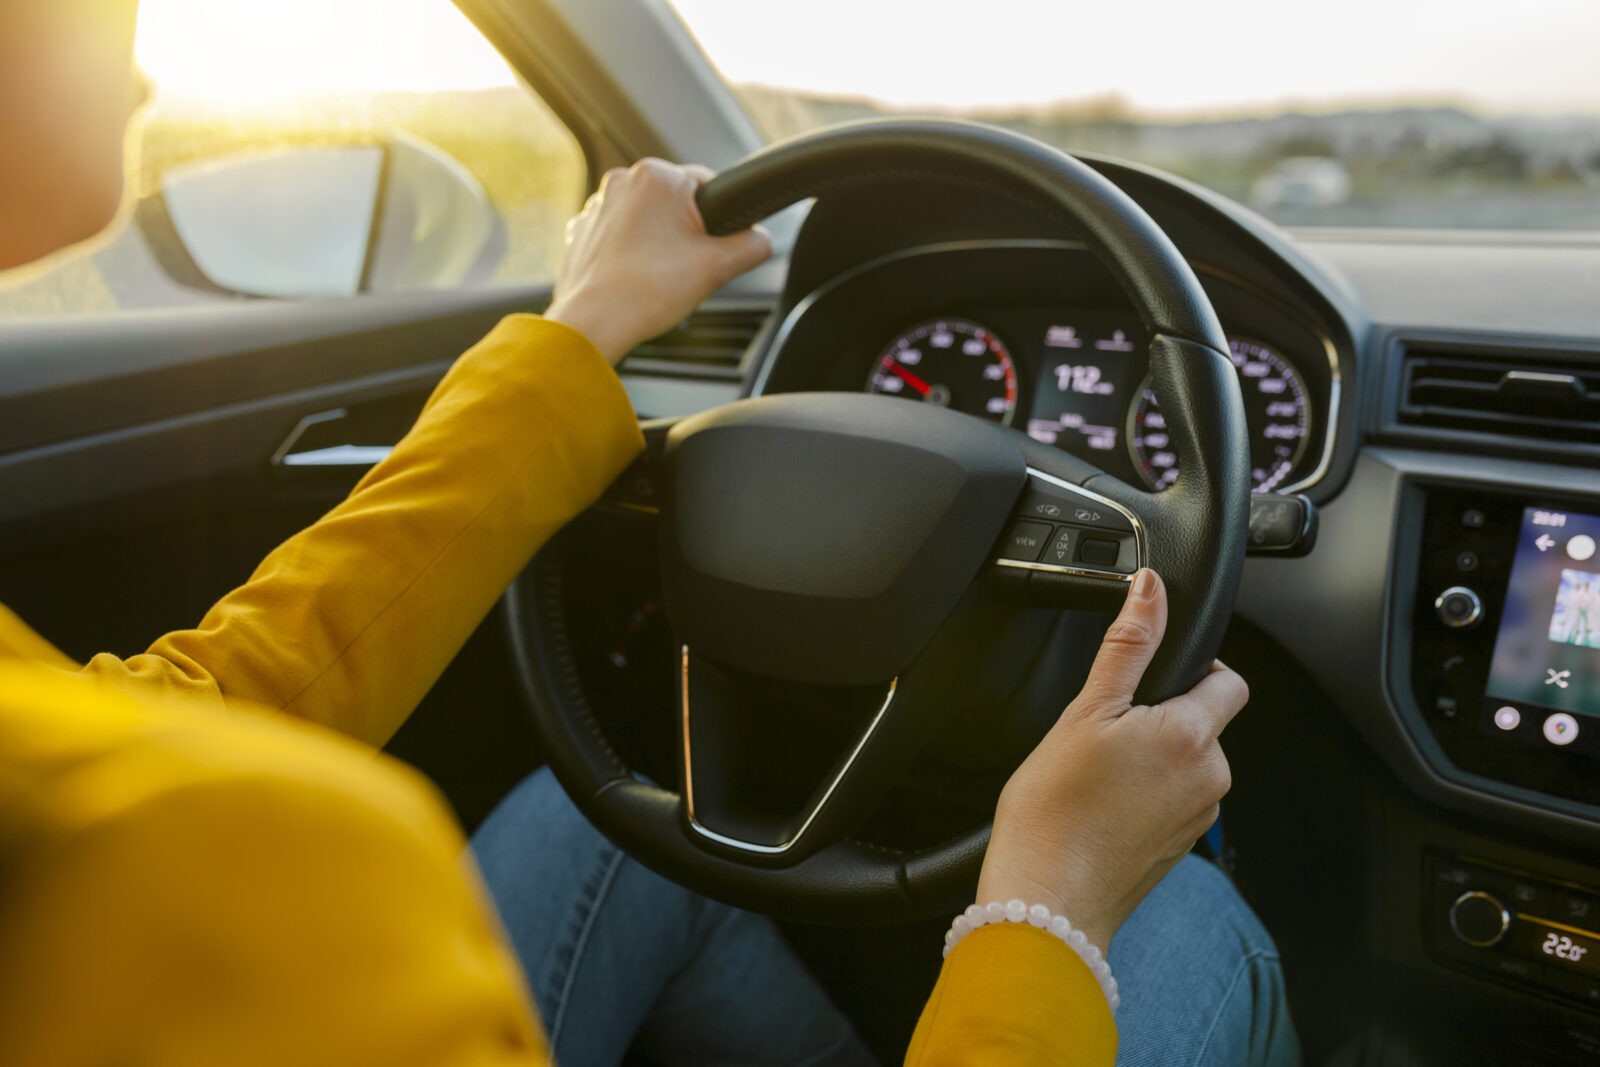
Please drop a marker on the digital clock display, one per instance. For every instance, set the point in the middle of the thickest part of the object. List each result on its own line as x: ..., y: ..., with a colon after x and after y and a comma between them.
x: 1557, y: 945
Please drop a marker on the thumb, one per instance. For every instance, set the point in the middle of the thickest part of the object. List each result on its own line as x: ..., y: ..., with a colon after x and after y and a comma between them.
x: 1129, y: 645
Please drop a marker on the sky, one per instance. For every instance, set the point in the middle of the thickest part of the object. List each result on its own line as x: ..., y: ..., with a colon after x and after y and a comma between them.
x: 1169, y: 56
x: 1174, y: 56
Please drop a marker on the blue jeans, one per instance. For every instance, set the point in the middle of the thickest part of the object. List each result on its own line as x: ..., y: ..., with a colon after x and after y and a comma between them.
x: 619, y: 957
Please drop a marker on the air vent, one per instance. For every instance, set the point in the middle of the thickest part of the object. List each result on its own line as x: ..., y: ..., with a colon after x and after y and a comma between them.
x: 711, y: 344
x: 1530, y: 396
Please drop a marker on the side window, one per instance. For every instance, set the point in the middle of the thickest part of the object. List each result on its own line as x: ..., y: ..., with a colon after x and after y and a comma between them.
x: 316, y: 149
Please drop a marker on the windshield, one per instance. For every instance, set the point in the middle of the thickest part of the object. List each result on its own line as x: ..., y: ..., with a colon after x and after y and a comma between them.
x: 1415, y: 113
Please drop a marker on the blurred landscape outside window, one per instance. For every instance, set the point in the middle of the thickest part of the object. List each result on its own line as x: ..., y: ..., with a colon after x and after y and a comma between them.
x: 1395, y: 113
x: 403, y: 101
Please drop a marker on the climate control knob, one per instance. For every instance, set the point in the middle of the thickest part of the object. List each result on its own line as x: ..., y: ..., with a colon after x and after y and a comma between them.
x: 1458, y: 607
x: 1479, y: 919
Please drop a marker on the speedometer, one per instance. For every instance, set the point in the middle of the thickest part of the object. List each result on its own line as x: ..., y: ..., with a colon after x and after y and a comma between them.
x: 953, y: 363
x: 1276, y: 411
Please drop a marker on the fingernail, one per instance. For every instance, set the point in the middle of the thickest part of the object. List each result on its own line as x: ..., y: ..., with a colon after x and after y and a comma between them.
x: 1144, y: 585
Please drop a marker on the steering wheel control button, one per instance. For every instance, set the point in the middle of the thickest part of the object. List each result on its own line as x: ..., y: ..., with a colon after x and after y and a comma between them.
x: 635, y: 490
x: 1561, y: 729
x: 1098, y: 552
x: 1479, y: 919
x: 1045, y: 501
x: 1025, y: 541
x: 1281, y: 525
x: 638, y: 489
x: 1061, y: 546
x: 1091, y: 545
x: 1458, y: 607
x: 1508, y: 718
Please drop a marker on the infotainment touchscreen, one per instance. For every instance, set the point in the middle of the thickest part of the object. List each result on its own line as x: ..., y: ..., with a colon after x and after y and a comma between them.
x: 1547, y: 652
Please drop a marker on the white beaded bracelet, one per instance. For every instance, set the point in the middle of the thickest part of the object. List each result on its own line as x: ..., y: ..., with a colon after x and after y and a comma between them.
x: 1017, y: 911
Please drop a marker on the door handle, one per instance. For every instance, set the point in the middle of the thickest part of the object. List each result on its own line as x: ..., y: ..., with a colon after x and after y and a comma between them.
x: 330, y: 457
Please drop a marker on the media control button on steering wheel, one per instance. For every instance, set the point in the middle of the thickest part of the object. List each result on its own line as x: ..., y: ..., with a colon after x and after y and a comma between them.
x: 1080, y: 532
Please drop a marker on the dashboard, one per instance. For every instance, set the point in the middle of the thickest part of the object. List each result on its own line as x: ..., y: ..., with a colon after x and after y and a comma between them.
x: 1026, y: 334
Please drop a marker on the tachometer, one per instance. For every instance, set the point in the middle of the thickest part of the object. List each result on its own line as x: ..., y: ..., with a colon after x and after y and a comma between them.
x: 953, y: 363
x: 1276, y: 410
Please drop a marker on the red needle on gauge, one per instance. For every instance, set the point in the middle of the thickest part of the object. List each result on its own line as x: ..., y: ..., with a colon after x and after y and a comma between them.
x: 922, y: 387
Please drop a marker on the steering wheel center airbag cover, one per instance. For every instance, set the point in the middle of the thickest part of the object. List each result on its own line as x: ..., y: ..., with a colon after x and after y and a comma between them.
x: 825, y: 537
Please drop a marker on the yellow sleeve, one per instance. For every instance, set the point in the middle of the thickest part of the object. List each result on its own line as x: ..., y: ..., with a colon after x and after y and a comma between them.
x: 247, y: 896
x: 349, y: 622
x: 1013, y: 995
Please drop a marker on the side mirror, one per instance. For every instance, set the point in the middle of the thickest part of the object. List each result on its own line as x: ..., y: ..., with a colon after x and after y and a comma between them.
x: 325, y: 222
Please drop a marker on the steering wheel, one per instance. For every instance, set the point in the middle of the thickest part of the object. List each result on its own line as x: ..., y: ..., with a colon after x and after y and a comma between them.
x: 841, y: 556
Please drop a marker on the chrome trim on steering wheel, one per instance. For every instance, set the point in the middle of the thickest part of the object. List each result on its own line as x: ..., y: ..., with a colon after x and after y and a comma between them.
x: 751, y: 846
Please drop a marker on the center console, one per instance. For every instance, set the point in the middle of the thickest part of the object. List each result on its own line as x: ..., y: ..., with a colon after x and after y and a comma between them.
x: 1505, y: 677
x: 1506, y: 638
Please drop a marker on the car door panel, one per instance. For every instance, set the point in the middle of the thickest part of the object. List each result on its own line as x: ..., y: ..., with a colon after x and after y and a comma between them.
x: 137, y: 482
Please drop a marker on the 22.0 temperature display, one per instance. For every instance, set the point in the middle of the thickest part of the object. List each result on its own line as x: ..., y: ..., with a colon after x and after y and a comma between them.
x: 1276, y: 411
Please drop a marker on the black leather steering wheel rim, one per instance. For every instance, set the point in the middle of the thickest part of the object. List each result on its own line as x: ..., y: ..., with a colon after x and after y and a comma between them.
x: 1201, y: 521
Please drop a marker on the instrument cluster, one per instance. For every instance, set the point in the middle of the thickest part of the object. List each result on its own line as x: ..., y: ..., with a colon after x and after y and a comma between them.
x: 1035, y: 335
x: 1089, y: 388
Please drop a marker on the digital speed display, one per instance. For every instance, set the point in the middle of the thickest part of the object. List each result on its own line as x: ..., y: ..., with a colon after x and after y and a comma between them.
x: 1086, y: 375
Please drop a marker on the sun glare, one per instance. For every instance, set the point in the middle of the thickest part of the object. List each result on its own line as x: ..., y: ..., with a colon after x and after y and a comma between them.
x: 244, y: 52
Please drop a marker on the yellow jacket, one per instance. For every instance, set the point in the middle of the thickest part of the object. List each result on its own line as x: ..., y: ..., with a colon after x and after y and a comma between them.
x: 181, y: 886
